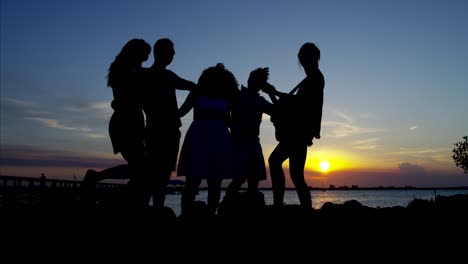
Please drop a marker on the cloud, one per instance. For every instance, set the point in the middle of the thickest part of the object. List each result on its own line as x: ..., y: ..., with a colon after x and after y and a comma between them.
x: 412, y: 128
x: 365, y: 144
x: 89, y: 118
x: 342, y: 129
x: 343, y: 116
x: 100, y: 109
x: 418, y: 152
x: 95, y: 135
x: 101, y: 106
x: 345, y: 125
x: 53, y: 123
x: 14, y: 106
x: 30, y: 156
x: 408, y: 168
x: 7, y: 101
x: 432, y: 157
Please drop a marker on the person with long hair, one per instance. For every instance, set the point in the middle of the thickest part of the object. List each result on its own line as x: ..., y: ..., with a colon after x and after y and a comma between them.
x: 207, y: 151
x: 297, y: 130
x: 126, y: 126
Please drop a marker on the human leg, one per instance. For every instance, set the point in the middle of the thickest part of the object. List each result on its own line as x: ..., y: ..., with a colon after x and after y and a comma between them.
x: 160, y: 189
x: 138, y: 173
x: 276, y: 159
x: 214, y: 194
x: 296, y: 166
x: 234, y: 186
x: 252, y: 184
x: 162, y: 150
x: 189, y: 193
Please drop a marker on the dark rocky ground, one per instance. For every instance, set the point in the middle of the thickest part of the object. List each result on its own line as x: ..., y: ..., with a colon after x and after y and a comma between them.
x: 242, y: 212
x: 243, y: 224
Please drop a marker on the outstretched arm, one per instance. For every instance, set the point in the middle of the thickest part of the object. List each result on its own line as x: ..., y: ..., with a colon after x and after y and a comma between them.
x: 188, y: 103
x: 272, y: 92
x: 183, y: 84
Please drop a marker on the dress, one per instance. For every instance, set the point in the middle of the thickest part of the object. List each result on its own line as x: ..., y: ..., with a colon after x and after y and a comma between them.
x: 207, y: 151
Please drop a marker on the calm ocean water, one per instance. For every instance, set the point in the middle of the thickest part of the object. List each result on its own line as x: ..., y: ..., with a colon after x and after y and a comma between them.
x: 371, y: 198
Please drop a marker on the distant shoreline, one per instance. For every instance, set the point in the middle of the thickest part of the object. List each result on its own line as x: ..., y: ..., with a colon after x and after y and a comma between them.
x: 179, y: 184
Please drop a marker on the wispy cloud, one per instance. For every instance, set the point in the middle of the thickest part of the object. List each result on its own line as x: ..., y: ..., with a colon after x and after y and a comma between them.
x: 53, y: 123
x: 18, y: 107
x: 413, y: 128
x: 95, y: 135
x: 99, y: 109
x: 90, y: 119
x: 343, y: 116
x: 418, y: 151
x: 23, y: 155
x: 16, y: 102
x: 365, y: 144
x: 343, y: 129
x: 428, y: 156
x: 345, y: 125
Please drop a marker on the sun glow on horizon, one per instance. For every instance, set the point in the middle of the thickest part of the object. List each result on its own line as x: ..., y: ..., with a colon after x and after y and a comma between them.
x: 324, y: 165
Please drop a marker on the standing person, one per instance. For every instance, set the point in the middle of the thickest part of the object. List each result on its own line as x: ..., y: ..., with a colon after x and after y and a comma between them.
x: 300, y: 128
x: 207, y: 149
x: 246, y: 117
x: 126, y: 126
x: 162, y: 132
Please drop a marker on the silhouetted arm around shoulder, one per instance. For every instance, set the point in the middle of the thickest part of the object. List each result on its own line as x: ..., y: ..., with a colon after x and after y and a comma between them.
x: 188, y: 103
x: 182, y: 84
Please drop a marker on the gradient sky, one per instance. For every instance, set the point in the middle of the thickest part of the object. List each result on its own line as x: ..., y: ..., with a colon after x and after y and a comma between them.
x: 396, y: 79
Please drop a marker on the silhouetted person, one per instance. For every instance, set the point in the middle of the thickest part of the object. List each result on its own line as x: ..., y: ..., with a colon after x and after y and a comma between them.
x: 207, y: 149
x: 162, y: 133
x: 297, y: 131
x: 126, y: 126
x: 246, y: 116
x: 42, y: 180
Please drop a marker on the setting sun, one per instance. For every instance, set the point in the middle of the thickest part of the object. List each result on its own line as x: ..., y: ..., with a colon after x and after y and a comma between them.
x: 324, y: 165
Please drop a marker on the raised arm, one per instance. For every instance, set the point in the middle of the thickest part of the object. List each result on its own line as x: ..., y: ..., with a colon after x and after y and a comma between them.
x: 272, y: 92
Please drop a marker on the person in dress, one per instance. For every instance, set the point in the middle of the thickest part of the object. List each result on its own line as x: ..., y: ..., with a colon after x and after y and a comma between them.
x: 207, y: 150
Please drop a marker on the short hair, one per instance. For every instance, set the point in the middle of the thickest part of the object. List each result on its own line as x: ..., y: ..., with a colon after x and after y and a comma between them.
x: 259, y: 75
x: 162, y: 44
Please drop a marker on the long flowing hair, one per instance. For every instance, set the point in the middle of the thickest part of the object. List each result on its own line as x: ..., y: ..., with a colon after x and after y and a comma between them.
x: 133, y: 53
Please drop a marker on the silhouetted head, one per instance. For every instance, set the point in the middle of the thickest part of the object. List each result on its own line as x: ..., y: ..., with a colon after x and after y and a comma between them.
x: 257, y: 79
x: 163, y: 51
x: 309, y: 55
x: 218, y: 82
x: 132, y: 55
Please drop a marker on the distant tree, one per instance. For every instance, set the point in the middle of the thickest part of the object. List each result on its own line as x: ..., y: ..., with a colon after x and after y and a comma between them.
x: 461, y: 154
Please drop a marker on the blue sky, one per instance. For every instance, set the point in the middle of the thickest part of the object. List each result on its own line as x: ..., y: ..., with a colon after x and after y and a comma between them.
x: 395, y: 94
